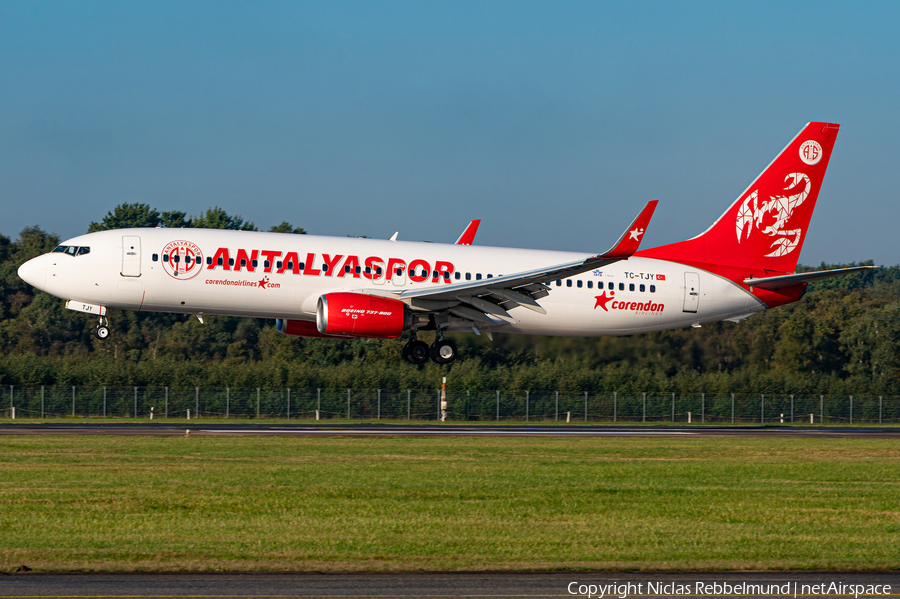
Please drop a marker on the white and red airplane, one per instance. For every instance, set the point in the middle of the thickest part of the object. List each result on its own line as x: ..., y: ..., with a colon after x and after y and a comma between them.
x: 338, y: 287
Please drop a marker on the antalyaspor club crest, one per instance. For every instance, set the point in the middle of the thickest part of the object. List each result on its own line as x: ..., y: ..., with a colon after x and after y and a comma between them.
x: 182, y: 259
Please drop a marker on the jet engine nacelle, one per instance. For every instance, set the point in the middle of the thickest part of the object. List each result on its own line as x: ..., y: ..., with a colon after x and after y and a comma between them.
x: 361, y: 315
x: 303, y: 328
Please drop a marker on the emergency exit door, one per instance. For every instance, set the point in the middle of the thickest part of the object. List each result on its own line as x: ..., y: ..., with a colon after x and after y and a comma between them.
x: 131, y: 256
x: 691, y: 291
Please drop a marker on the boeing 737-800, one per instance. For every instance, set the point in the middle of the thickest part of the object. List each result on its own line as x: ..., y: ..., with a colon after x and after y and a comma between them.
x: 339, y: 288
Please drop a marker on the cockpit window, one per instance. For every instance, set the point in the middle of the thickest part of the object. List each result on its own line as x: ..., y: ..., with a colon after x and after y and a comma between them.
x: 72, y: 250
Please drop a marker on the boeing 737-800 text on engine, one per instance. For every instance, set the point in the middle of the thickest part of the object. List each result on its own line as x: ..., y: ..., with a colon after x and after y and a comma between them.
x: 339, y: 288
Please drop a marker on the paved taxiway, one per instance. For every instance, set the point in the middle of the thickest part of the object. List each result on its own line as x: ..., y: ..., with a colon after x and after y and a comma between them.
x: 443, y: 430
x: 422, y: 585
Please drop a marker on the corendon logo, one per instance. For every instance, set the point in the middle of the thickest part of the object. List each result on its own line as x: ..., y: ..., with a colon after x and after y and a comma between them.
x: 649, y: 307
x: 330, y: 265
x: 602, y: 300
x: 182, y: 259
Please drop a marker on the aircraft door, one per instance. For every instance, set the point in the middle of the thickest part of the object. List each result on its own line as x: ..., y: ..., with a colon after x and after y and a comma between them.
x: 691, y: 291
x: 378, y: 274
x: 131, y: 256
x: 398, y: 275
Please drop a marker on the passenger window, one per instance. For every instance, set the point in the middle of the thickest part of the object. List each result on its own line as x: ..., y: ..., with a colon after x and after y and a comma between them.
x: 434, y: 274
x: 300, y: 266
x: 631, y: 287
x: 578, y: 283
x: 458, y: 276
x: 378, y: 271
x: 243, y: 262
x: 358, y: 270
x: 176, y: 259
x: 477, y: 276
x: 490, y: 276
x: 84, y: 250
x: 468, y: 276
x: 558, y: 283
x: 611, y: 285
x: 166, y: 258
x: 155, y: 257
x: 267, y: 264
x: 399, y: 272
x: 324, y: 268
x: 621, y: 286
x: 368, y: 270
x: 590, y: 284
x: 446, y: 276
x: 642, y: 288
x: 255, y: 263
x: 231, y: 262
x: 347, y: 268
x: 568, y: 282
x: 277, y: 264
x: 209, y: 259
x: 290, y: 264
x: 652, y: 288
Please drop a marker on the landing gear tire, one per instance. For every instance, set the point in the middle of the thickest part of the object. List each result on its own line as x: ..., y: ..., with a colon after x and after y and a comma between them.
x: 416, y: 352
x: 101, y: 332
x: 443, y: 351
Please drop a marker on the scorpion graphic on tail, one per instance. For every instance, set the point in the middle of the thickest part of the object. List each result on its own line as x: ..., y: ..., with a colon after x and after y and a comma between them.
x: 770, y: 217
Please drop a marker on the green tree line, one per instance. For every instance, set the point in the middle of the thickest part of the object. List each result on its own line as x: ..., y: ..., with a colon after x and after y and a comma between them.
x: 843, y: 337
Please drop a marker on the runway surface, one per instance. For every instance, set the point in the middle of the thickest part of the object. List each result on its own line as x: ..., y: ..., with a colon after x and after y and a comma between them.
x: 469, y: 585
x: 453, y: 430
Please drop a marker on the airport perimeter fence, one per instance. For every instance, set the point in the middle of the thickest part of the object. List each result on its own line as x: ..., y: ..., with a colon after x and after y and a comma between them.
x: 409, y: 404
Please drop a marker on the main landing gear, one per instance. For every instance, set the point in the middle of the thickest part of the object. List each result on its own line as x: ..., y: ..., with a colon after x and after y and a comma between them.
x: 442, y: 351
x: 101, y: 331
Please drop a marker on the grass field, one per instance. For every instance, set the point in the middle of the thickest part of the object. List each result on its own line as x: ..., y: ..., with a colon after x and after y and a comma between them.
x: 330, y: 504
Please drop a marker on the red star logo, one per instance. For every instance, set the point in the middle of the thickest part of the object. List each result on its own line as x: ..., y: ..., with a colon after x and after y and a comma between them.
x: 602, y: 300
x: 263, y: 282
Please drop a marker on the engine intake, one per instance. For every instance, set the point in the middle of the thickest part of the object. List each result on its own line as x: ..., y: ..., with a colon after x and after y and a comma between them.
x: 361, y: 315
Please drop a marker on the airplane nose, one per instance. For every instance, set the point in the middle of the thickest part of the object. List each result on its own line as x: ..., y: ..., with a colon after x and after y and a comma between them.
x: 34, y: 272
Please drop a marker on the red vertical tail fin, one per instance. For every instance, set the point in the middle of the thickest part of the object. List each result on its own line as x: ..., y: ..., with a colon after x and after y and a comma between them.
x: 764, y: 229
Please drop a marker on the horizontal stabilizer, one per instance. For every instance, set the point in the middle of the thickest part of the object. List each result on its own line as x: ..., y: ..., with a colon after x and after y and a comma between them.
x: 801, y: 277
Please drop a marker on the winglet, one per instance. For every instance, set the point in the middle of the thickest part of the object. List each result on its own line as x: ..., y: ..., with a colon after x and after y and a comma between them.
x: 630, y: 240
x: 468, y: 236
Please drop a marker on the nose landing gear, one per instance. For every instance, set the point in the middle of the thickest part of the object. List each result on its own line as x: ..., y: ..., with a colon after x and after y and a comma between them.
x: 101, y: 331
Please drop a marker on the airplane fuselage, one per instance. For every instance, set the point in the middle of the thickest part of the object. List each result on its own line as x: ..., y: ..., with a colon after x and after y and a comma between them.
x: 274, y: 275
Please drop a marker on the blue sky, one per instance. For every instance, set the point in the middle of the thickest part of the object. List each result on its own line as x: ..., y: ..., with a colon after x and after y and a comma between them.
x: 553, y: 122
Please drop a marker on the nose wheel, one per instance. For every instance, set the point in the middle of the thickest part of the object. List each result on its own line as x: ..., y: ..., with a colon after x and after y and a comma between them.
x: 101, y: 331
